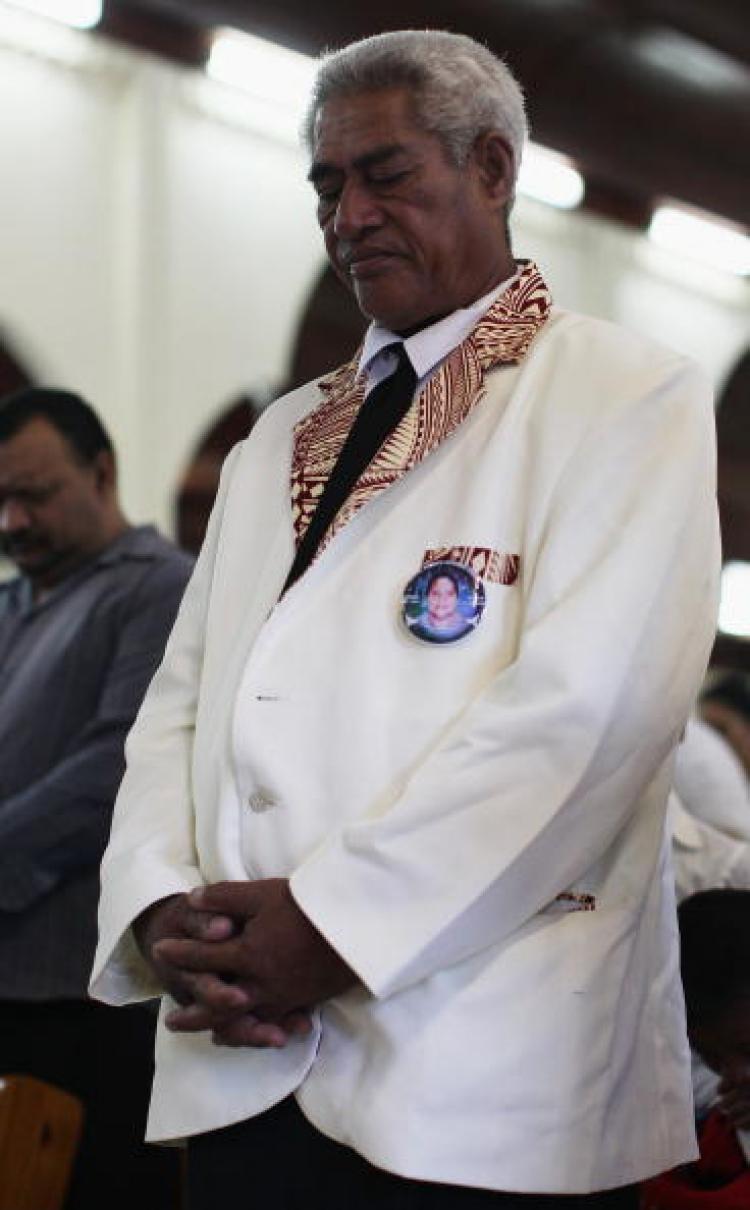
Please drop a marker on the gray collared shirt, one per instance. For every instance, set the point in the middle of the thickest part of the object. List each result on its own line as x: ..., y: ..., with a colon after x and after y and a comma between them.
x: 73, y: 670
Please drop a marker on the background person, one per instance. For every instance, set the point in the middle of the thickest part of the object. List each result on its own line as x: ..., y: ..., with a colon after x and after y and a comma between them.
x: 82, y: 629
x: 725, y: 706
x: 709, y: 818
x: 715, y: 961
x: 711, y: 781
x: 703, y: 856
x: 438, y: 945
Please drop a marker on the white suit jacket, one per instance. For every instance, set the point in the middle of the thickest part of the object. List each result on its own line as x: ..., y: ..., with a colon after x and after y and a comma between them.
x: 432, y: 803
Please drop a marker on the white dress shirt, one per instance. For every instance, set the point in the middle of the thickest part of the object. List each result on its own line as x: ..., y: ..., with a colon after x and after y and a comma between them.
x: 426, y: 349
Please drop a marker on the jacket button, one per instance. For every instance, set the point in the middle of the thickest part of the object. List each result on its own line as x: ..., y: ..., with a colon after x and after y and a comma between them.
x: 260, y: 801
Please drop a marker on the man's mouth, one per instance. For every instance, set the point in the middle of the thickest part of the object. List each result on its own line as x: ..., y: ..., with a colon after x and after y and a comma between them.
x: 362, y: 265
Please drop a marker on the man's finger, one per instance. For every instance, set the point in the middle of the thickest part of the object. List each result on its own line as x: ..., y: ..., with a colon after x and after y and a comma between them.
x: 193, y: 1018
x: 211, y: 1003
x: 197, y: 1018
x: 218, y: 996
x: 236, y: 899
x: 208, y: 926
x: 299, y: 1024
x: 248, y: 1031
x: 223, y: 958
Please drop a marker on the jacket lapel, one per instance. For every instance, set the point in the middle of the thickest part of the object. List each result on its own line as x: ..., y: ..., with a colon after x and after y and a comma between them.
x: 501, y: 337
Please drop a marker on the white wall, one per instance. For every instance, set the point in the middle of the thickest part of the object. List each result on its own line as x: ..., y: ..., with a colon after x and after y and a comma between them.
x: 156, y: 254
x: 613, y: 271
x: 153, y: 256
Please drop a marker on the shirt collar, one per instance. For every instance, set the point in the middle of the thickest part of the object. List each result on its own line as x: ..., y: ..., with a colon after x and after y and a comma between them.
x: 428, y: 347
x: 135, y: 542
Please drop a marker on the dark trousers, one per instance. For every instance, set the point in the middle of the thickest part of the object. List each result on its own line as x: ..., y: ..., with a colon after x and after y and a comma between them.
x: 104, y: 1056
x: 278, y: 1160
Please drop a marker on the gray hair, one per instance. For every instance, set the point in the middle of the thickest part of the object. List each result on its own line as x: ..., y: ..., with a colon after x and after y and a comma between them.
x: 460, y: 88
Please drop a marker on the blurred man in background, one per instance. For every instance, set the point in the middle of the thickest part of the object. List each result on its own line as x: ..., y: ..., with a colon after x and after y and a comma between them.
x: 82, y: 630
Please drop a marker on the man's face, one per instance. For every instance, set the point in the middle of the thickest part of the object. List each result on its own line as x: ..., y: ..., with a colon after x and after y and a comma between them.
x: 52, y: 507
x: 442, y: 598
x: 412, y: 235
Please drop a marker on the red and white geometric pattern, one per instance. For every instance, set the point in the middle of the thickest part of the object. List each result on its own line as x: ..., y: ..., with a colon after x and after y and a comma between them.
x: 502, y: 336
x: 492, y: 566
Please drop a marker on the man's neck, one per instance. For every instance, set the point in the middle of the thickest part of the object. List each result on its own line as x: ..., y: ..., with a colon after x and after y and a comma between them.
x: 489, y: 287
x: 430, y: 345
x: 42, y: 586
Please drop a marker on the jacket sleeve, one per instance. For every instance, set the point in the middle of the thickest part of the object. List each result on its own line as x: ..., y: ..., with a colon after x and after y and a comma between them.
x: 539, y: 775
x: 152, y: 816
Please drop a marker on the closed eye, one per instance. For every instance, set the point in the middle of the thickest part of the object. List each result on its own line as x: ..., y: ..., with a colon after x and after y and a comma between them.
x: 30, y: 496
x: 386, y: 179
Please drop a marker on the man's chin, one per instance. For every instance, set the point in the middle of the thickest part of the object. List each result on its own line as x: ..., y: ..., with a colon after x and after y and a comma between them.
x: 31, y: 561
x: 390, y: 312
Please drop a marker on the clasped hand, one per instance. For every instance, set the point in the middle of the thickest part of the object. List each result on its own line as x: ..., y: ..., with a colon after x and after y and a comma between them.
x: 242, y: 960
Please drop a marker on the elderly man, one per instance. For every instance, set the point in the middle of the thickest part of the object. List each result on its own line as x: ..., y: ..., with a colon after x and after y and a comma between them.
x: 82, y: 629
x: 408, y: 899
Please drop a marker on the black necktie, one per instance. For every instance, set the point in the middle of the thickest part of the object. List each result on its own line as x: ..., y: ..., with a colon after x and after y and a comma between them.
x: 375, y: 421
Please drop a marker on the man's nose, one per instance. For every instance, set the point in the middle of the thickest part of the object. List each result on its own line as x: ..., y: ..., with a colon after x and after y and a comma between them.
x: 14, y: 517
x: 356, y: 211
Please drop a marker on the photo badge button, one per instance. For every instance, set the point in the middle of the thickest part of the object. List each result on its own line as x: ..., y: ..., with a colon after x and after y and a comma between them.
x: 443, y: 602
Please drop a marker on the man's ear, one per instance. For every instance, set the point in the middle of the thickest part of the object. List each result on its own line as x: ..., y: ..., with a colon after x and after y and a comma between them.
x: 105, y: 470
x: 494, y: 159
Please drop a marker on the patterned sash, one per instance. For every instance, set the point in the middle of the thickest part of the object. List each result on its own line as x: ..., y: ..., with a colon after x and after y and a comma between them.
x: 501, y: 337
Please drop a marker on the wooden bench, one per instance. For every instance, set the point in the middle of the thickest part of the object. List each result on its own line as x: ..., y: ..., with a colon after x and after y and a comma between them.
x: 39, y: 1130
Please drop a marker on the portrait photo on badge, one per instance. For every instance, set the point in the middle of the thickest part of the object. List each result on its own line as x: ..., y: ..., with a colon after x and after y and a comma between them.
x: 443, y: 602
